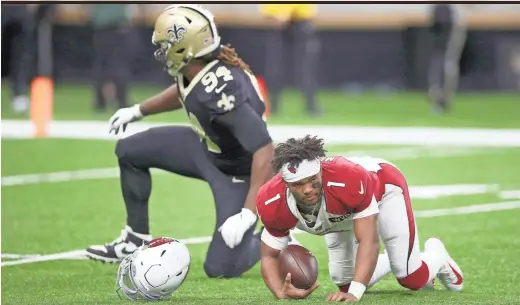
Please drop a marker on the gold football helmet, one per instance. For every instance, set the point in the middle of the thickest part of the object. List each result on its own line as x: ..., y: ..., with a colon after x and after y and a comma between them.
x: 183, y: 32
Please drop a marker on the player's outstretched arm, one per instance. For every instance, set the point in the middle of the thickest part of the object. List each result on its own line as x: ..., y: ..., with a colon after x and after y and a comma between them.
x: 281, y: 288
x: 167, y: 100
x: 359, y: 196
x: 271, y: 269
x: 261, y: 172
x: 251, y: 131
x: 367, y: 235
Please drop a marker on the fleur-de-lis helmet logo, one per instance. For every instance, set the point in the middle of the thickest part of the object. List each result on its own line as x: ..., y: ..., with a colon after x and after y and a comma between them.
x: 176, y: 32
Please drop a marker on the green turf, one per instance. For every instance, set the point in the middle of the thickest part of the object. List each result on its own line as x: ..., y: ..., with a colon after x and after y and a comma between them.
x: 52, y: 217
x: 497, y: 110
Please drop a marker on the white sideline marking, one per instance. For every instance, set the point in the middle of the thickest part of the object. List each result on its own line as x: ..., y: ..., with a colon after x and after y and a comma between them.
x: 417, y: 192
x: 18, y: 256
x: 113, y: 172
x: 80, y: 254
x: 65, y: 176
x: 76, y: 254
x: 330, y: 134
x: 513, y: 194
x: 439, y: 191
x: 470, y: 209
x: 423, y: 151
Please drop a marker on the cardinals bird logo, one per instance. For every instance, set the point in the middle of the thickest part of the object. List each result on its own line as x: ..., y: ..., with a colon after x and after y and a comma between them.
x: 292, y: 169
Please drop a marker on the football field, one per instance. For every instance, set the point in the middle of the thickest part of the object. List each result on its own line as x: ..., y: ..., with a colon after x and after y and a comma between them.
x: 62, y: 195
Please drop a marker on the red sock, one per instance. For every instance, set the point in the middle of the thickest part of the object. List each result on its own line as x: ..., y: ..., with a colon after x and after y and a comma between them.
x: 417, y: 279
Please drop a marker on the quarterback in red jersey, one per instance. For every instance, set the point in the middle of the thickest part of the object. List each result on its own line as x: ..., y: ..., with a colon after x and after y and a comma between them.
x: 352, y: 202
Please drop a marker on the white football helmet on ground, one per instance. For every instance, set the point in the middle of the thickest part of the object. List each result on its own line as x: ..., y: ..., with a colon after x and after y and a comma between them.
x: 153, y: 271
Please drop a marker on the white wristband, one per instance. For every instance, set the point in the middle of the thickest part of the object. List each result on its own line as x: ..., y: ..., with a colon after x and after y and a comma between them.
x: 137, y: 111
x: 357, y: 289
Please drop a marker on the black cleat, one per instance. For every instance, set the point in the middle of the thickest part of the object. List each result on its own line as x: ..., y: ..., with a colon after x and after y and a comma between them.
x: 118, y: 249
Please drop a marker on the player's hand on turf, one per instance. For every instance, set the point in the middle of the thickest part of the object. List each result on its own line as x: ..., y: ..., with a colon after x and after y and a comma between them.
x: 124, y: 116
x: 291, y: 292
x: 234, y: 228
x: 340, y: 296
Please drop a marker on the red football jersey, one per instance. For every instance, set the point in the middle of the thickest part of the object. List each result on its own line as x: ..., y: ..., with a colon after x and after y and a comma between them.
x: 349, y: 188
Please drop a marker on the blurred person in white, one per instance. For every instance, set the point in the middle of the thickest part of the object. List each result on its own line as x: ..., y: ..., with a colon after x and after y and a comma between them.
x: 448, y: 32
x: 22, y: 18
x: 113, y: 41
x: 293, y: 29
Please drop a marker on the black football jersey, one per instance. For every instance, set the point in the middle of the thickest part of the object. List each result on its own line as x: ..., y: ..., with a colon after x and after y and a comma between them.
x: 222, y: 91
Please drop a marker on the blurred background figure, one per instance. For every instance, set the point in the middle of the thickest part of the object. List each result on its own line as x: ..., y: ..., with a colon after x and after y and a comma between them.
x: 22, y: 17
x: 292, y: 29
x: 448, y: 32
x: 113, y: 52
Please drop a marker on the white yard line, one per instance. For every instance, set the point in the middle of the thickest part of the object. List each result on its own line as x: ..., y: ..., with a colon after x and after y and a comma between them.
x: 470, y: 209
x: 439, y: 191
x: 113, y: 172
x: 80, y: 254
x: 65, y: 176
x: 331, y: 134
x: 512, y: 194
x: 87, y: 174
x: 18, y: 256
x: 76, y: 254
x: 416, y: 192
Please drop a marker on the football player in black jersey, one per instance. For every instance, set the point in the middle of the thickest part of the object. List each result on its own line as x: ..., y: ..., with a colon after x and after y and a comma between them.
x: 228, y: 144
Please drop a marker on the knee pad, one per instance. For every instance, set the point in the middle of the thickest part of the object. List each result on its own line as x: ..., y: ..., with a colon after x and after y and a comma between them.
x: 417, y: 279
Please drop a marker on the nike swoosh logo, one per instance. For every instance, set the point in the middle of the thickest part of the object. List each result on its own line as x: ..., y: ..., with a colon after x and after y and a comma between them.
x: 124, y: 250
x: 218, y: 90
x: 235, y: 180
x: 362, y: 191
x: 459, y: 277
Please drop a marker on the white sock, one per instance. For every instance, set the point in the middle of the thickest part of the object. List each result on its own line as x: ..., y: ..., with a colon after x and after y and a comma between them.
x: 382, y: 269
x: 434, y: 260
x: 146, y: 237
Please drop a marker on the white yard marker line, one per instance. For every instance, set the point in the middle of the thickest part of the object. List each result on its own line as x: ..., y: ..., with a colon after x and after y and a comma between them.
x: 439, y: 191
x: 65, y: 176
x: 76, y: 254
x: 418, y: 192
x: 423, y: 151
x: 330, y: 134
x: 80, y: 254
x: 18, y: 256
x: 470, y: 209
x: 512, y: 194
x: 113, y: 172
